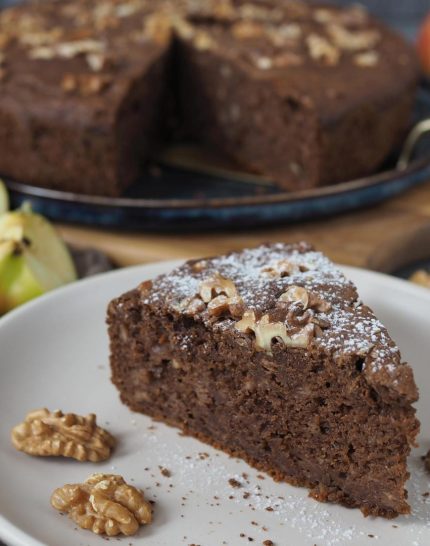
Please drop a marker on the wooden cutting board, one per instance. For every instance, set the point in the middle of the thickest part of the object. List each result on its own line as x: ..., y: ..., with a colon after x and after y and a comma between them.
x: 382, y: 238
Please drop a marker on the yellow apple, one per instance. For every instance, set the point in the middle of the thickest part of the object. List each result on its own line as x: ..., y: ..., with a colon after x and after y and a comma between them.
x: 33, y: 258
x: 4, y: 198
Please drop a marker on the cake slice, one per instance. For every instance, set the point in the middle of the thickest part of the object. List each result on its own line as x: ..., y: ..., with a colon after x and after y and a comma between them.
x: 270, y: 355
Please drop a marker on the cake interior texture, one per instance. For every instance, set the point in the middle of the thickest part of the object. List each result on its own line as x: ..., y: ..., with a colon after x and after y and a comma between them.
x: 269, y: 355
x: 301, y: 93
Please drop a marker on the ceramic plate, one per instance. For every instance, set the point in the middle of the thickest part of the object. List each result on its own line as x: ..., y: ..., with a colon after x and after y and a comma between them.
x: 54, y: 353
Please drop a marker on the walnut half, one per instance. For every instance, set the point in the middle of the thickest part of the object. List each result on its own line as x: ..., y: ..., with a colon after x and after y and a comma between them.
x: 46, y: 433
x: 105, y: 504
x: 266, y: 331
x: 221, y: 296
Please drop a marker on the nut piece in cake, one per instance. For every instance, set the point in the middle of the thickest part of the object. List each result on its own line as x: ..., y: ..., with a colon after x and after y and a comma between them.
x: 266, y: 331
x: 296, y: 294
x: 215, y: 286
x: 45, y: 433
x: 282, y: 268
x: 220, y: 295
x: 320, y: 49
x: 104, y: 504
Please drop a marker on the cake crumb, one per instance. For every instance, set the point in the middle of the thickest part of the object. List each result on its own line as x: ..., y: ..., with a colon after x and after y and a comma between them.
x: 234, y: 483
x: 426, y: 459
x: 165, y: 471
x: 268, y: 543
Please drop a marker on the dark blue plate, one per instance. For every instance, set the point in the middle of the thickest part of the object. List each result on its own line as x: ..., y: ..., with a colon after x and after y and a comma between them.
x: 182, y: 193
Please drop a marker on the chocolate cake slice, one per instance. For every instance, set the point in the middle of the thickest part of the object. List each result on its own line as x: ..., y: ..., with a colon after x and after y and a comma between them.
x: 270, y: 355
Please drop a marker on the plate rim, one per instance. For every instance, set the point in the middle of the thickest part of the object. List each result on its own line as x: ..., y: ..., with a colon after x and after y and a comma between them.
x: 348, y: 270
x: 417, y: 167
x: 13, y: 534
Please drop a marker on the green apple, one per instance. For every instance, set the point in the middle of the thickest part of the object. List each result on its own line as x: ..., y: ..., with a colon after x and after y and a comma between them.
x: 33, y: 258
x: 4, y: 198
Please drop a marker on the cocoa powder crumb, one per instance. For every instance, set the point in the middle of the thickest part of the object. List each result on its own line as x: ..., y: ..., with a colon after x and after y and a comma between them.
x: 426, y: 460
x: 165, y: 472
x: 234, y: 483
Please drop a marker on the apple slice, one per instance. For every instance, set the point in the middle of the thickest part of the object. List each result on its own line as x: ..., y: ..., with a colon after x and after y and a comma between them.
x: 33, y: 258
x: 4, y: 198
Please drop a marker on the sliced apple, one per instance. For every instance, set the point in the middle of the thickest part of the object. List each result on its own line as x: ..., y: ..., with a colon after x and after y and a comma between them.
x: 33, y: 258
x: 4, y: 198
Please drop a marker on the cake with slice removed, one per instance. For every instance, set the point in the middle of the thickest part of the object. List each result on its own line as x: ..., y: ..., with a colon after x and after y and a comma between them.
x: 299, y: 92
x: 270, y: 355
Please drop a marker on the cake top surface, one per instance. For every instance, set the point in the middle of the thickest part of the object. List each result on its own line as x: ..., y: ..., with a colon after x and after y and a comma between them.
x: 77, y: 52
x: 331, y: 57
x: 78, y: 48
x: 284, y: 296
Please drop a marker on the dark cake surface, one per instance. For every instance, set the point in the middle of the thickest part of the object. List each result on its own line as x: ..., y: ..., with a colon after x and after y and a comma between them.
x: 270, y: 355
x: 302, y: 93
x: 81, y: 92
x: 346, y: 327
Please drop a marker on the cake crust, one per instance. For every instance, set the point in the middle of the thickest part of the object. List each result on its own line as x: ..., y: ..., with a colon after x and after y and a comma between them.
x: 275, y: 342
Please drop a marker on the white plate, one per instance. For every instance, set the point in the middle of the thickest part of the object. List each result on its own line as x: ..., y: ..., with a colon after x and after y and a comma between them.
x: 54, y: 353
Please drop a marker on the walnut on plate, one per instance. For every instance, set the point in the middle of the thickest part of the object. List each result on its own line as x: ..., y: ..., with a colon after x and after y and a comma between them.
x: 46, y: 433
x: 104, y: 504
x: 421, y: 277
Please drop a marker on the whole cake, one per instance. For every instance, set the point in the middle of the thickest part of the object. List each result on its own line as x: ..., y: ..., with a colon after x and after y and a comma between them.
x: 270, y: 355
x: 301, y: 93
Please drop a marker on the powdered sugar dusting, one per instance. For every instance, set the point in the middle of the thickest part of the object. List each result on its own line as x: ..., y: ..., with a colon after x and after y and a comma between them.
x: 260, y: 508
x: 352, y: 329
